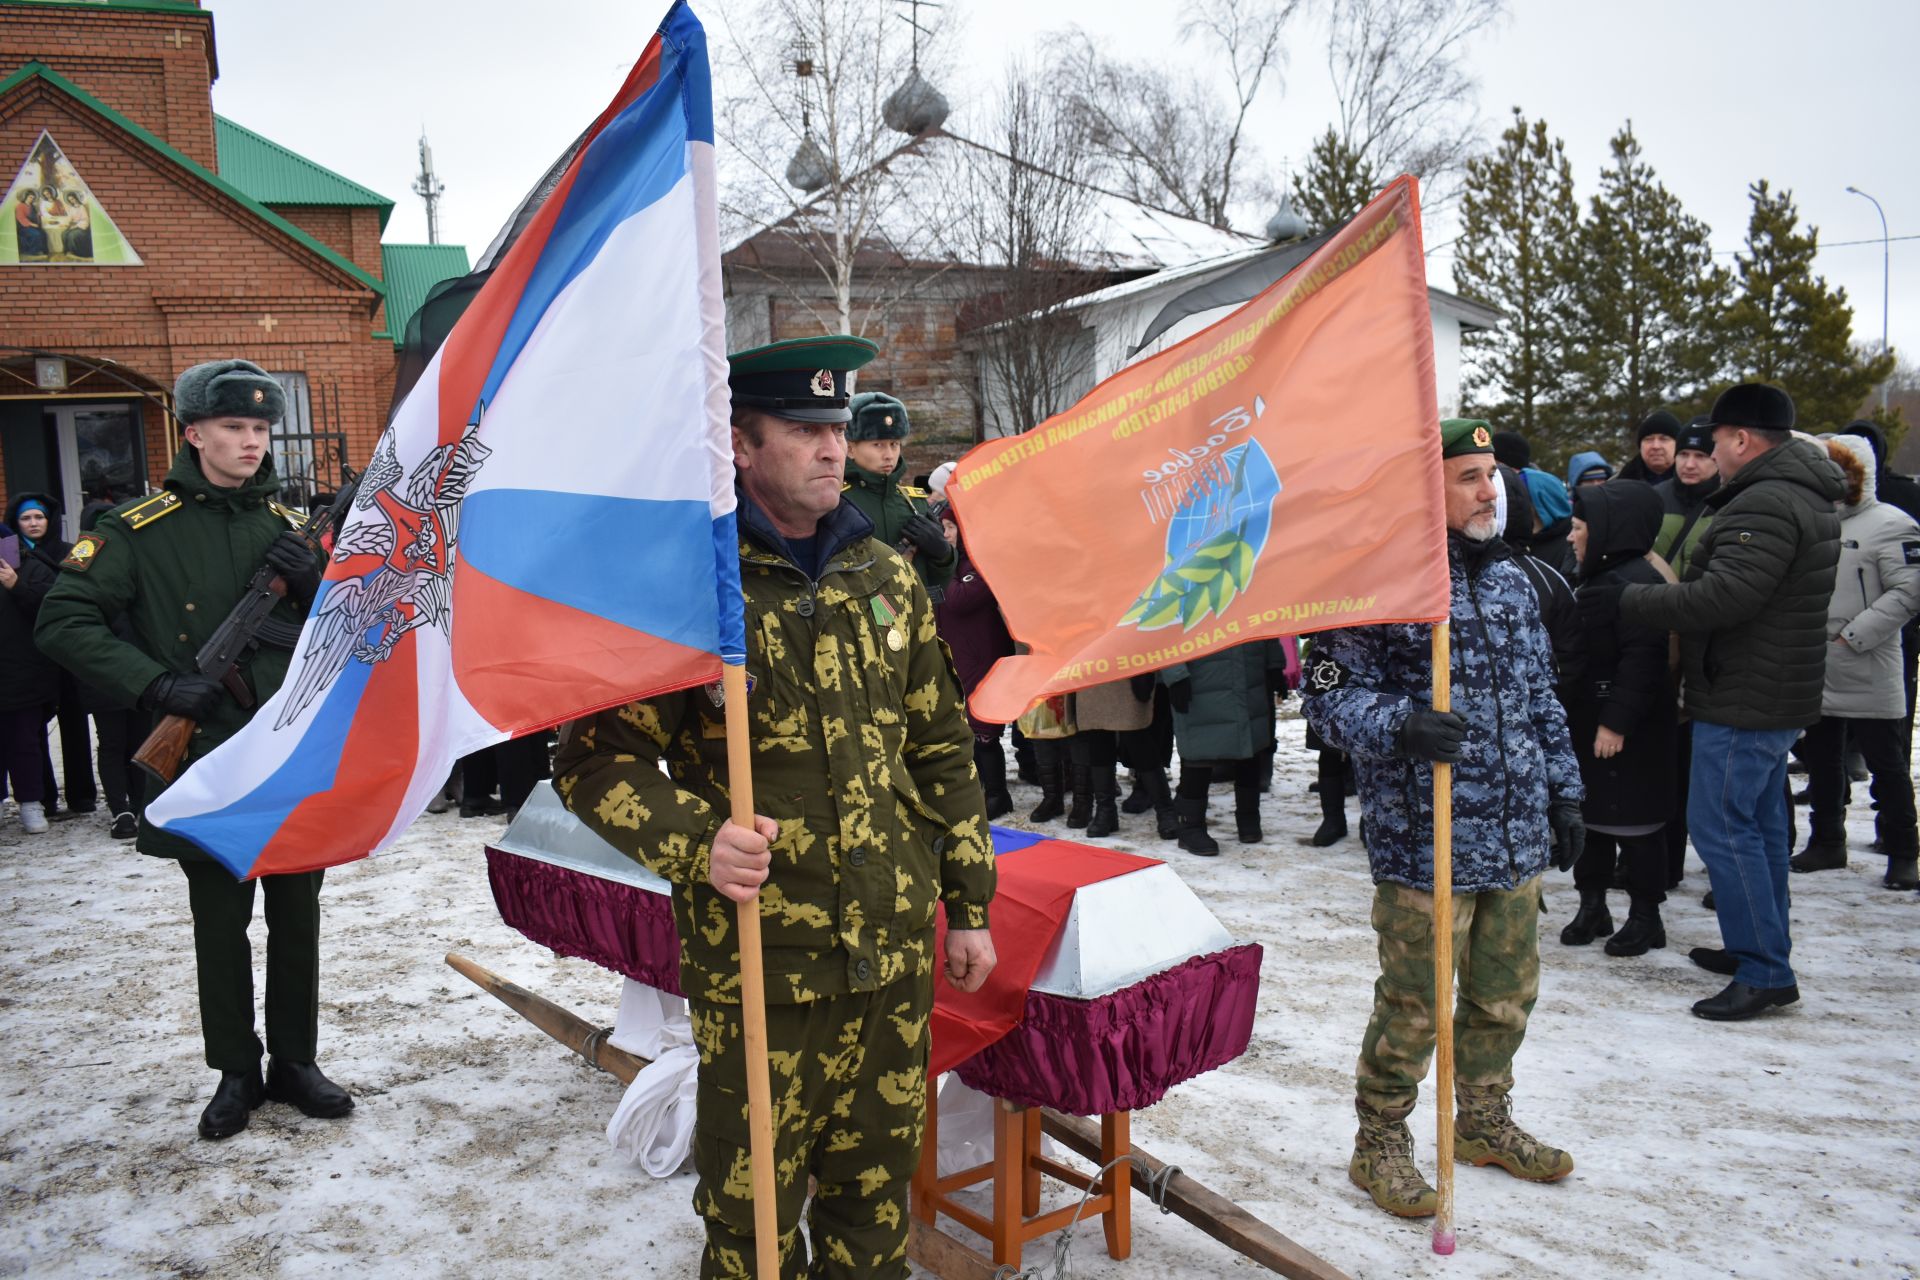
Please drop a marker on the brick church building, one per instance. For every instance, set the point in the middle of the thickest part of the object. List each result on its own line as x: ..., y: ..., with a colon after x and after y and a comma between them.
x: 144, y: 234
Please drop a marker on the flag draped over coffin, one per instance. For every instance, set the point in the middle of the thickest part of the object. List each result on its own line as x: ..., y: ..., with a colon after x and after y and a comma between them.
x: 1273, y: 474
x: 546, y: 527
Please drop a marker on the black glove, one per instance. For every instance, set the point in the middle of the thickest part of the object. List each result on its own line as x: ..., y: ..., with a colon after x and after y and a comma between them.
x: 294, y: 560
x: 1180, y: 693
x: 1599, y: 605
x: 924, y: 532
x: 1569, y: 834
x: 192, y: 695
x: 1142, y: 687
x: 1433, y: 735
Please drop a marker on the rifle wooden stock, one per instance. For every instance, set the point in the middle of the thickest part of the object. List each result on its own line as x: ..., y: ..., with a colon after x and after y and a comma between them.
x: 165, y: 747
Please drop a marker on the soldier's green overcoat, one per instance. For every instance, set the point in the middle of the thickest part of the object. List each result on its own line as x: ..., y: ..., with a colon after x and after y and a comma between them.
x: 174, y: 563
x: 889, y: 504
x: 861, y: 752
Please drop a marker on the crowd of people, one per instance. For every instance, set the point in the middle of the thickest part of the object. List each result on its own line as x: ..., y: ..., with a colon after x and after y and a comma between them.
x: 1637, y: 654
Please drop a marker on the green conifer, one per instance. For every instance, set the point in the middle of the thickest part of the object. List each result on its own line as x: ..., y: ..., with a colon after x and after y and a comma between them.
x: 1337, y: 183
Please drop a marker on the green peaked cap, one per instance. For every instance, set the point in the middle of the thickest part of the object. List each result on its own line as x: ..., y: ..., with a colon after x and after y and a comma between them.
x: 1465, y: 435
x: 804, y: 379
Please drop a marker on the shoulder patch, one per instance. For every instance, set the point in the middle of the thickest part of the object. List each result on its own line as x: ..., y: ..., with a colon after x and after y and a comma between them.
x: 80, y: 558
x: 286, y: 513
x: 912, y: 492
x: 1911, y: 550
x: 1325, y: 674
x: 141, y: 514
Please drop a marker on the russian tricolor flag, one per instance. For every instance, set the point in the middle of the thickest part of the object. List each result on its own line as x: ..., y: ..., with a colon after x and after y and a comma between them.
x: 547, y: 527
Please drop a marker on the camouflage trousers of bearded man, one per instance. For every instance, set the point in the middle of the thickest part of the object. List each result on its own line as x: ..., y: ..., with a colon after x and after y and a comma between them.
x: 1496, y: 958
x: 849, y: 1077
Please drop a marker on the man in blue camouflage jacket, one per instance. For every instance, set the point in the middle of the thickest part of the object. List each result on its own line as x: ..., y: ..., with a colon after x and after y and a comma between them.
x: 1516, y: 798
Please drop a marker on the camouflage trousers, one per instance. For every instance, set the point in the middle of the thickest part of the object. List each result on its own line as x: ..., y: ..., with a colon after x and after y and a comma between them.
x: 1496, y: 958
x: 849, y: 1079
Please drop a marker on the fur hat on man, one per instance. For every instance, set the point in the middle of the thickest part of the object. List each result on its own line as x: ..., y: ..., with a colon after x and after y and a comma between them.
x: 877, y: 416
x: 228, y: 389
x: 1755, y: 406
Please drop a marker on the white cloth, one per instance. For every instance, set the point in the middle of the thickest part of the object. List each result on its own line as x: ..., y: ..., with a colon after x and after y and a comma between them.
x: 653, y: 1125
x: 966, y: 1128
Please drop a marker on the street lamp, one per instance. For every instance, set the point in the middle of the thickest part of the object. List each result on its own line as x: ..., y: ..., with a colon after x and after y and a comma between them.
x: 1884, y: 277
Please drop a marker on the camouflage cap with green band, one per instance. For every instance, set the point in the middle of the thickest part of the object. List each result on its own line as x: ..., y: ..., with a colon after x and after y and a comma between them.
x: 1465, y: 435
x: 803, y: 379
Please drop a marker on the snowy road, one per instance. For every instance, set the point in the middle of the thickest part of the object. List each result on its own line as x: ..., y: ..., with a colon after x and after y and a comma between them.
x: 1786, y: 1147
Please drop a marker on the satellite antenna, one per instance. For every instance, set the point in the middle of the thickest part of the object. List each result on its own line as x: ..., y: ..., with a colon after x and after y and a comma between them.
x: 429, y: 188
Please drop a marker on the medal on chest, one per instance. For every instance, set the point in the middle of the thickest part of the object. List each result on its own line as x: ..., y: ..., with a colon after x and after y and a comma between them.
x: 888, y: 618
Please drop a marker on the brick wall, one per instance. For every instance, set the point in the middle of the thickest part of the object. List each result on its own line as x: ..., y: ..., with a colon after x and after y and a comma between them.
x: 217, y: 281
x: 154, y: 68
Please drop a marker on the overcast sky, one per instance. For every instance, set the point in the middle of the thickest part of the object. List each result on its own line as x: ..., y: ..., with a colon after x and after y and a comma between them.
x: 1812, y: 97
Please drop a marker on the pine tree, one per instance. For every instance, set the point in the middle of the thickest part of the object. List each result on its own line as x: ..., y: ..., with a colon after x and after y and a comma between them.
x: 1646, y: 293
x: 1787, y: 327
x: 1337, y: 183
x: 1519, y: 220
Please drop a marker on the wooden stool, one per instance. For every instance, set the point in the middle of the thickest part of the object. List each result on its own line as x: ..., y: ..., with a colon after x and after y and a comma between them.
x: 1015, y: 1172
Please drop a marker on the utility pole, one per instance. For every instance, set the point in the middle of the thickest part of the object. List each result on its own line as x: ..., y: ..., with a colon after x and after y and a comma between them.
x: 429, y: 188
x: 1885, y: 277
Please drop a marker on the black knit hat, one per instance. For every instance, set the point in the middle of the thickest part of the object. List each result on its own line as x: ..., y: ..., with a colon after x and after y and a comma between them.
x: 1658, y: 423
x: 1696, y: 435
x: 1510, y: 449
x: 1755, y: 406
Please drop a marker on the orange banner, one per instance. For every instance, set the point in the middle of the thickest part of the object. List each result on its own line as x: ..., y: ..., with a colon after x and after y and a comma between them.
x: 1274, y: 474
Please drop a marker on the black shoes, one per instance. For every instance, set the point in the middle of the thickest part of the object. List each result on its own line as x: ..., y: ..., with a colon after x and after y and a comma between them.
x: 1591, y: 921
x: 1332, y: 830
x: 238, y: 1093
x: 125, y: 826
x: 1740, y: 1002
x: 991, y: 764
x: 1820, y: 855
x: 1902, y: 873
x: 1714, y: 960
x: 1643, y: 932
x: 1192, y: 815
x: 300, y: 1084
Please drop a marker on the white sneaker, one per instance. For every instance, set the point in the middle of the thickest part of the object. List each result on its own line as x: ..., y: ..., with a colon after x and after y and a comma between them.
x: 33, y: 816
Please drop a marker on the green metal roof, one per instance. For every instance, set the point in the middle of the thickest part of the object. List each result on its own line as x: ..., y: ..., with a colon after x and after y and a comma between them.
x: 272, y: 174
x: 40, y: 70
x: 149, y: 6
x: 411, y: 270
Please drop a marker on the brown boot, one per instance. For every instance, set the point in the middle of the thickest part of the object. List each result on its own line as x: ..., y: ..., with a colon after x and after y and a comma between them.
x: 1484, y: 1133
x: 1382, y: 1164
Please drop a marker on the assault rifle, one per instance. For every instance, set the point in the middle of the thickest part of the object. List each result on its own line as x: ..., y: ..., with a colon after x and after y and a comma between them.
x: 243, y: 632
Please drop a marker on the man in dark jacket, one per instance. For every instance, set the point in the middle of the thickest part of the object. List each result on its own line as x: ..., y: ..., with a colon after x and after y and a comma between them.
x: 1655, y: 442
x: 1752, y: 618
x: 1516, y: 796
x: 901, y: 513
x: 175, y: 564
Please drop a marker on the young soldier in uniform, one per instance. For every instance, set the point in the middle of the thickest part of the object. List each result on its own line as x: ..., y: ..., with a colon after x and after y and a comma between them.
x: 1516, y: 797
x: 901, y: 513
x: 870, y: 815
x: 175, y: 564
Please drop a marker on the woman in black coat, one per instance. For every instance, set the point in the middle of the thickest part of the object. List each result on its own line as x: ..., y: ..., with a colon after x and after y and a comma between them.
x: 1621, y: 713
x: 36, y: 518
x: 29, y: 683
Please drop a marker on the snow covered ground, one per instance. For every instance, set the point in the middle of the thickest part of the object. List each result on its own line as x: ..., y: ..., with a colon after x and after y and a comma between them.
x: 1784, y: 1147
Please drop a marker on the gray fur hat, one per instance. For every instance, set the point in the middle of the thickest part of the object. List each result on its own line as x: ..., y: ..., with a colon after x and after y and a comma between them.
x: 877, y: 416
x: 228, y: 389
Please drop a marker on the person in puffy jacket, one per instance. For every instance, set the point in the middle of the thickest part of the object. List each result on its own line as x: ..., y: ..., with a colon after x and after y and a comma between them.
x: 29, y: 681
x: 1516, y: 807
x: 1223, y: 723
x: 1620, y: 710
x: 1876, y: 592
x: 1752, y: 618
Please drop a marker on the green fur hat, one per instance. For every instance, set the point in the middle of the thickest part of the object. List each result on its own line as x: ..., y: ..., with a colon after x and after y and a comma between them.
x: 877, y: 416
x: 228, y: 389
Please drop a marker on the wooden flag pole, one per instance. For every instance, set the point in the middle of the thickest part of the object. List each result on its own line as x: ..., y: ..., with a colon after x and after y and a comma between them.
x: 1443, y: 954
x: 753, y: 989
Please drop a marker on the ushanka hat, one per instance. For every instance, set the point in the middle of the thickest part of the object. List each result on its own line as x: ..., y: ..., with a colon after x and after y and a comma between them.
x: 877, y: 416
x: 228, y: 389
x: 1464, y: 435
x: 1755, y: 406
x: 801, y: 379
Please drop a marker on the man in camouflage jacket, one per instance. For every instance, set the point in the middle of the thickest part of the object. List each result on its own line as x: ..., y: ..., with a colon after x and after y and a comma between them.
x: 869, y: 814
x: 1516, y: 795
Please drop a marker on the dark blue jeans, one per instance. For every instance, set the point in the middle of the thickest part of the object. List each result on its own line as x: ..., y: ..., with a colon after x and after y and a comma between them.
x: 1737, y: 815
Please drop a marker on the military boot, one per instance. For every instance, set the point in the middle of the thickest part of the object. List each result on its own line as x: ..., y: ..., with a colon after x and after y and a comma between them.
x: 1191, y: 812
x: 1591, y: 921
x: 1382, y: 1164
x: 1080, y: 813
x: 1823, y: 853
x: 1484, y: 1133
x: 991, y: 762
x: 1050, y: 766
x: 1643, y: 931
